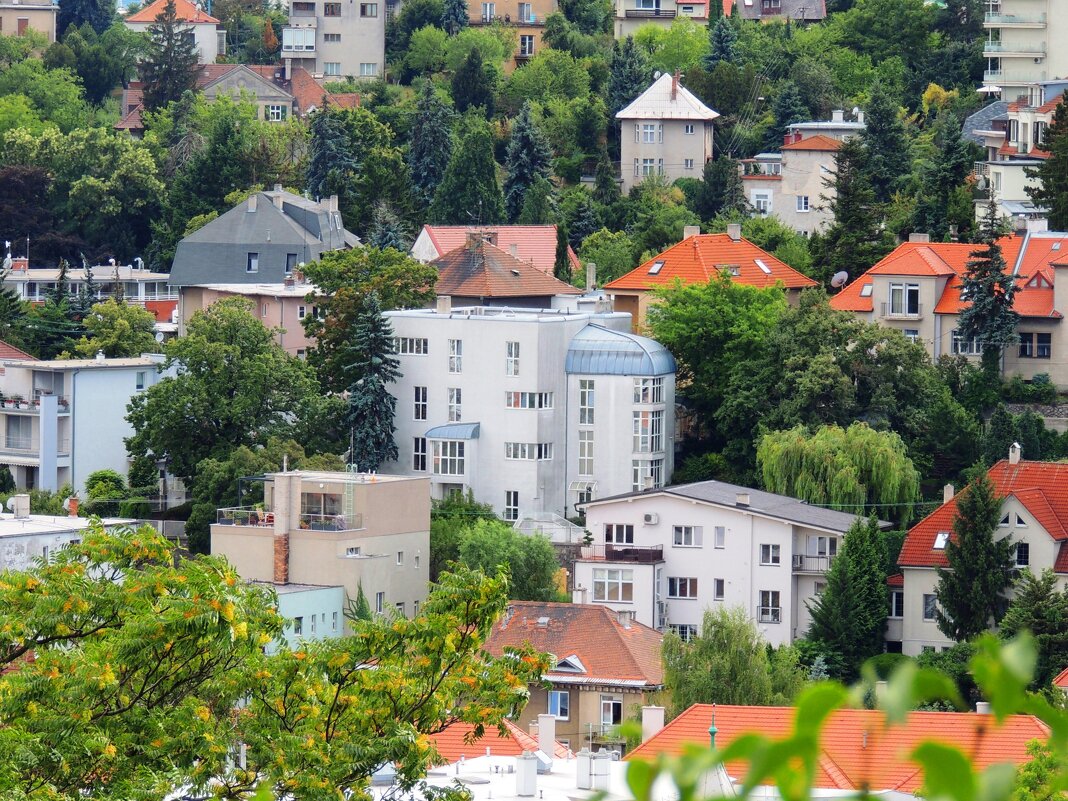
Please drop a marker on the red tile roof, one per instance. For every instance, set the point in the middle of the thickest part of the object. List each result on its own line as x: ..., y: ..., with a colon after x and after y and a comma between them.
x: 590, y: 636
x: 509, y: 740
x: 1061, y: 565
x: 816, y: 142
x: 1042, y: 489
x: 534, y: 243
x: 480, y: 270
x: 1062, y: 680
x: 896, y: 580
x: 859, y: 751
x: 759, y: 176
x: 187, y: 12
x: 701, y: 258
x: 10, y: 352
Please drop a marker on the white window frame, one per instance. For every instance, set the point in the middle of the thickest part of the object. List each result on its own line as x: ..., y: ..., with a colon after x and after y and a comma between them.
x: 802, y: 204
x: 455, y: 404
x: 419, y: 454
x: 619, y: 533
x: 687, y: 536
x: 420, y: 405
x: 332, y: 68
x: 648, y: 431
x: 613, y: 585
x: 719, y: 534
x: 770, y: 554
x: 511, y: 359
x: 587, y: 399
x: 411, y: 346
x: 456, y: 356
x: 897, y: 604
x: 449, y: 457
x: 930, y: 604
x: 689, y: 129
x: 719, y: 589
x: 682, y: 588
x: 770, y: 610
x: 511, y: 505
x: 585, y: 452
x: 559, y: 704
x: 649, y: 390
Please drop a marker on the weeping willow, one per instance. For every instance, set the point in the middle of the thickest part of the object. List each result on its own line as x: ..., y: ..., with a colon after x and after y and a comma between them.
x: 855, y: 469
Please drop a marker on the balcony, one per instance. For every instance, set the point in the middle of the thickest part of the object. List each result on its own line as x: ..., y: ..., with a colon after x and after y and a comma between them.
x: 250, y: 516
x: 915, y: 313
x: 812, y: 564
x: 29, y: 447
x: 1001, y: 49
x: 649, y: 13
x: 533, y: 21
x: 998, y: 20
x: 634, y: 554
x: 17, y: 405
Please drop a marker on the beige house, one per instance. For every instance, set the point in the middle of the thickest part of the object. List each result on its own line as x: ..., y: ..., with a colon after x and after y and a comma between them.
x: 348, y: 530
x: 207, y: 32
x: 527, y: 17
x: 1022, y: 43
x: 335, y: 39
x: 633, y: 14
x: 18, y: 16
x: 791, y: 186
x: 666, y: 131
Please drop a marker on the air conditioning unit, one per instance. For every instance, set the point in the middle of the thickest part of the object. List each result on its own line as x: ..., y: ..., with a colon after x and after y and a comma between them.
x: 650, y: 518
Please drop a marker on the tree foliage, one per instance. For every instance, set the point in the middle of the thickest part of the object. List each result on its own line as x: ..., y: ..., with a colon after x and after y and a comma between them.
x: 169, y: 68
x: 527, y: 560
x: 432, y: 142
x: 1039, y: 607
x: 372, y: 367
x: 469, y: 192
x: 119, y: 330
x: 527, y: 161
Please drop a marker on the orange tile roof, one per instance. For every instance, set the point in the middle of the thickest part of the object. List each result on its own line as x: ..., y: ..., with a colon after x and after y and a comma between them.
x: 859, y: 751
x: 480, y: 270
x: 896, y: 580
x: 1041, y: 487
x: 456, y: 741
x: 534, y: 243
x: 816, y: 142
x: 10, y: 352
x: 187, y: 12
x: 1062, y: 680
x: 605, y: 649
x: 754, y: 176
x: 1061, y: 565
x: 701, y: 258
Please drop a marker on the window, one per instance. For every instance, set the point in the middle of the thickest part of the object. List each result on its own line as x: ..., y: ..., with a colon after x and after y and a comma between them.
x: 682, y: 587
x: 762, y: 203
x: 333, y: 38
x: 770, y: 611
x: 331, y: 67
x: 266, y: 308
x: 419, y: 404
x: 649, y: 390
x: 299, y: 39
x: 1005, y: 520
x: 1036, y: 346
x: 19, y: 432
x: 511, y: 361
x: 648, y: 432
x: 649, y: 166
x: 353, y: 550
x: 684, y: 631
x: 252, y: 263
x: 511, y: 504
x: 456, y: 355
x: 611, y: 710
x: 930, y: 606
x: 688, y: 129
x: 331, y: 9
x: 298, y: 625
x: 802, y: 203
x: 368, y: 69
x: 905, y: 299
x: 619, y: 533
x: 647, y: 474
x: 489, y: 11
x: 912, y: 334
x: 525, y: 14
x: 528, y: 451
x: 528, y: 400
x: 291, y: 258
x: 769, y: 554
x: 718, y: 589
x: 302, y: 312
x: 585, y: 453
x: 368, y: 9
x: 720, y: 536
x: 897, y: 603
x: 1023, y: 554
x: 402, y: 608
x: 649, y: 133
x: 1020, y: 522
x: 455, y: 396
x: 526, y: 45
x: 448, y: 457
x: 275, y: 113
x: 333, y: 621
x: 140, y: 379
x: 686, y: 536
x: 965, y: 347
x: 687, y: 164
x: 586, y: 400
x: 613, y: 584
x: 941, y: 538
x: 313, y: 627
x: 410, y: 346
x: 380, y: 602
x: 819, y: 586
x: 560, y: 704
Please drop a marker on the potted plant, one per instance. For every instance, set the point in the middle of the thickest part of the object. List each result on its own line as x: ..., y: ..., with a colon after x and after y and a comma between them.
x: 16, y: 401
x: 227, y: 518
x: 64, y: 404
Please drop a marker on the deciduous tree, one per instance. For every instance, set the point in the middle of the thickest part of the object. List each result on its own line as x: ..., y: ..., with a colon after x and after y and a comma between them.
x: 118, y: 329
x: 528, y: 560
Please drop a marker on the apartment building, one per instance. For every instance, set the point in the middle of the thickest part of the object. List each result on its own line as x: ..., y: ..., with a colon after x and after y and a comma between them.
x: 336, y: 40
x: 633, y: 14
x: 1034, y: 515
x: 1022, y: 46
x: 667, y: 555
x: 324, y: 529
x: 206, y: 31
x: 917, y: 290
x: 665, y: 131
x: 531, y: 411
x: 526, y: 17
x: 19, y: 16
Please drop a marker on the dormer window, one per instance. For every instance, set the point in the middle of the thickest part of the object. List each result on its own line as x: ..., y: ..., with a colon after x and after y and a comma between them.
x: 941, y: 538
x: 570, y: 664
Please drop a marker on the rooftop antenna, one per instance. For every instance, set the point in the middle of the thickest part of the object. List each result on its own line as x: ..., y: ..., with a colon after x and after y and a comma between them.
x: 712, y: 730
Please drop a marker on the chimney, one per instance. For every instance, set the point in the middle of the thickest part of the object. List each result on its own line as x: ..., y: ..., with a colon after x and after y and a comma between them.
x: 652, y: 721
x: 514, y: 250
x: 579, y: 595
x: 252, y: 201
x: 20, y: 264
x: 526, y: 775
x: 1014, y: 453
x: 1041, y: 224
x: 285, y: 503
x: 547, y: 734
x: 72, y: 506
x: 289, y: 281
x: 860, y: 117
x: 947, y: 493
x: 675, y: 85
x: 278, y: 188
x: 281, y: 558
x: 331, y: 203
x: 734, y: 231
x: 741, y: 499
x: 1021, y: 225
x: 20, y: 506
x: 584, y: 769
x: 690, y: 230
x: 599, y: 769
x: 880, y: 691
x: 918, y: 237
x: 838, y: 115
x: 473, y: 239
x: 982, y: 707
x: 444, y: 304
x: 277, y: 198
x: 625, y: 617
x: 591, y: 276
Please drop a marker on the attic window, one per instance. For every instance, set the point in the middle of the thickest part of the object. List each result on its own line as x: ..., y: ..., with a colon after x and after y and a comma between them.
x: 733, y: 269
x: 1004, y: 521
x: 1056, y: 246
x: 759, y: 263
x: 571, y: 664
x: 656, y: 267
x: 515, y: 273
x: 543, y: 622
x: 1020, y: 522
x: 1038, y: 282
x: 940, y: 540
x: 865, y: 291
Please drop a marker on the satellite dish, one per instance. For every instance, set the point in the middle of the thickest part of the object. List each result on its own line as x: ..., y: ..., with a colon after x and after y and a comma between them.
x: 66, y: 505
x: 10, y: 504
x: 838, y: 280
x: 657, y: 74
x: 159, y: 336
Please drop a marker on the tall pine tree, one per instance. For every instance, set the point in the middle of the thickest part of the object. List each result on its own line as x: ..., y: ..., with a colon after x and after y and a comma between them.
x: 471, y: 85
x: 454, y: 16
x: 169, y: 68
x: 990, y: 289
x: 888, y: 148
x: 528, y: 158
x: 372, y: 367
x: 606, y: 189
x: 331, y: 163
x: 943, y: 178
x: 629, y: 77
x: 1052, y: 191
x: 722, y: 42
x: 786, y: 109
x: 971, y: 590
x: 469, y: 193
x: 432, y: 142
x: 721, y: 190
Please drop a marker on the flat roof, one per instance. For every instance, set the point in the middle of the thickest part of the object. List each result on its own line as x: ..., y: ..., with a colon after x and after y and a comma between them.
x: 274, y: 289
x: 11, y: 526
x: 345, y: 478
x: 148, y: 360
x: 289, y: 589
x: 507, y: 314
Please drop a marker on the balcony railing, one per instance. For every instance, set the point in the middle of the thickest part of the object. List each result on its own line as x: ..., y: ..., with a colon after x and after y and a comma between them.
x: 263, y: 518
x: 649, y: 13
x: 30, y: 446
x: 915, y: 313
x: 638, y: 554
x: 997, y: 20
x: 995, y: 49
x: 1014, y: 76
x: 32, y: 405
x: 812, y: 564
x: 331, y: 522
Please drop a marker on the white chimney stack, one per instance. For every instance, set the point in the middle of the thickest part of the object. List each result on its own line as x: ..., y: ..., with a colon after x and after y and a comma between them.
x: 690, y: 230
x: 444, y: 304
x: 734, y: 231
x: 838, y: 115
x: 526, y: 775
x: 982, y: 707
x: 1014, y: 453
x: 579, y: 595
x: 919, y: 238
x: 547, y: 734
x: 584, y: 769
x: 947, y: 493
x: 599, y: 773
x: 252, y: 202
x: 652, y: 721
x: 591, y: 276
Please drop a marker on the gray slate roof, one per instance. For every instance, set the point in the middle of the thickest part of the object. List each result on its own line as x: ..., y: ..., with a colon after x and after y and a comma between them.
x: 982, y: 119
x: 596, y: 350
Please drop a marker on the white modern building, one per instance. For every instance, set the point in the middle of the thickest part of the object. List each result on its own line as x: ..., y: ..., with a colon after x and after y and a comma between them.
x: 531, y: 411
x: 1022, y: 43
x: 63, y: 419
x: 668, y: 555
x: 207, y: 32
x: 336, y: 39
x: 25, y: 537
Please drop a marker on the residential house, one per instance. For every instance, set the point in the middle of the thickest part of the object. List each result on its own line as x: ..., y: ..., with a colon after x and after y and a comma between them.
x: 604, y: 665
x: 633, y: 14
x: 1061, y: 682
x: 665, y: 131
x: 837, y: 127
x: 335, y: 40
x: 859, y: 748
x: 347, y: 530
x: 263, y: 239
x: 531, y: 411
x: 311, y: 611
x: 480, y: 274
x: 793, y: 10
x: 63, y: 419
x: 792, y: 187
x: 19, y: 16
x: 766, y: 553
x: 27, y: 538
x: 526, y: 17
x: 699, y: 258
x: 917, y: 290
x: 206, y: 31
x: 1022, y: 47
x: 534, y: 244
x: 457, y: 743
x: 1034, y: 514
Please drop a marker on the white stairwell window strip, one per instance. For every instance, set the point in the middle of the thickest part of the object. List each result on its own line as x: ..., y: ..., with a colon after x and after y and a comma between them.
x: 585, y: 452
x: 455, y: 410
x: 456, y: 355
x: 511, y: 363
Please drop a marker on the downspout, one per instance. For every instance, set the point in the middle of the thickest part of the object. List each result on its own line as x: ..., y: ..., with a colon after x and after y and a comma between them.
x: 72, y: 426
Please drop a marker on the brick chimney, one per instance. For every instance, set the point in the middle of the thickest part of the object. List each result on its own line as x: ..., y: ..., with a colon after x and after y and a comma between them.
x: 675, y: 85
x: 19, y: 264
x: 281, y: 557
x: 72, y: 506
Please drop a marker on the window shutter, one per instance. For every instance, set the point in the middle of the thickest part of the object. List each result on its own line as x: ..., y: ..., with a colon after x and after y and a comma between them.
x: 660, y: 133
x: 637, y: 132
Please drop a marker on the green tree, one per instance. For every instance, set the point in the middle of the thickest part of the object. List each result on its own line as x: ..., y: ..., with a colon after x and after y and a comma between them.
x: 472, y: 86
x: 98, y: 14
x: 629, y: 77
x: 527, y: 160
x: 721, y: 189
x: 1040, y: 608
x: 562, y: 264
x: 450, y: 518
x: 169, y: 68
x: 786, y: 109
x: 727, y: 663
x: 118, y: 329
x: 372, y: 367
x: 943, y: 178
x: 971, y: 589
x: 886, y: 144
x: 722, y: 41
x: 454, y: 16
x: 1041, y: 778
x: 426, y: 50
x: 884, y: 29
x: 849, y: 617
x: 1001, y: 432
x: 528, y: 560
x: 678, y: 47
x: 360, y: 609
x: 1051, y: 192
x: 389, y: 229
x: 105, y: 488
x: 55, y: 96
x: 331, y: 162
x: 432, y: 142
x: 469, y: 193
x: 606, y: 183
x: 611, y: 251
x: 539, y: 206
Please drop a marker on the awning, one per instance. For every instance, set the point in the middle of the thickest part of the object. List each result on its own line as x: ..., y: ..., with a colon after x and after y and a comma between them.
x: 454, y: 431
x: 582, y: 486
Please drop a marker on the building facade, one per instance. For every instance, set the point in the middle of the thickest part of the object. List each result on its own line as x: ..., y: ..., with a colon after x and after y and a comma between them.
x: 668, y: 555
x: 281, y: 307
x: 531, y: 411
x: 526, y: 17
x: 336, y: 40
x: 1022, y: 48
x: 633, y: 14
x: 206, y: 31
x: 793, y: 186
x: 19, y: 16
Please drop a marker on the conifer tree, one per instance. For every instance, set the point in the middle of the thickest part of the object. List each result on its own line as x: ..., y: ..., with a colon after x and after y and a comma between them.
x: 432, y: 142
x: 169, y: 69
x: 471, y: 85
x: 943, y: 178
x: 98, y: 13
x: 1052, y: 191
x: 1040, y: 608
x: 359, y: 609
x: 629, y: 76
x: 1001, y: 432
x: 562, y: 264
x: 605, y: 185
x: 787, y: 108
x: 721, y: 190
x: 372, y: 367
x: 469, y: 193
x: 454, y: 16
x: 331, y: 163
x: 582, y: 220
x: 990, y: 288
x: 11, y: 309
x: 886, y: 143
x: 722, y: 42
x: 388, y: 229
x: 715, y: 11
x: 539, y: 207
x: 528, y: 158
x: 971, y: 590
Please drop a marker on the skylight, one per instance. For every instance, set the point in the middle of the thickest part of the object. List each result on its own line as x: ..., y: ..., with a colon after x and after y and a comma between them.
x: 656, y: 267
x: 763, y: 266
x: 1057, y: 245
x: 865, y: 291
x: 940, y: 540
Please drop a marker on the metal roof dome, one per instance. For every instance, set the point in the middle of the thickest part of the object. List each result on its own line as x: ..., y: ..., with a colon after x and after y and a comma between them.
x: 596, y: 350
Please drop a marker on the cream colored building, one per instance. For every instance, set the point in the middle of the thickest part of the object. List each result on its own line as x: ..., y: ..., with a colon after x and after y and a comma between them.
x: 666, y: 131
x: 349, y: 530
x: 336, y: 39
x: 206, y: 31
x: 633, y: 14
x: 17, y: 16
x: 526, y: 17
x: 1025, y: 43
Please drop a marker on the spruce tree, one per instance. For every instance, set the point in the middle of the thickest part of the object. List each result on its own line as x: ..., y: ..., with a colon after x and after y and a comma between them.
x: 528, y: 158
x: 1052, y: 191
x: 886, y: 142
x: 990, y: 288
x: 471, y: 85
x: 786, y: 109
x: 722, y: 43
x: 359, y: 609
x: 629, y: 77
x: 431, y: 142
x: 562, y: 264
x: 1040, y: 608
x: 372, y: 367
x: 388, y: 229
x: 943, y: 178
x: 721, y: 190
x: 11, y: 308
x: 1001, y: 432
x: 331, y: 163
x: 715, y: 11
x: 469, y: 193
x: 971, y: 590
x: 606, y: 189
x: 539, y: 207
x: 454, y: 16
x: 582, y: 219
x: 169, y: 68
